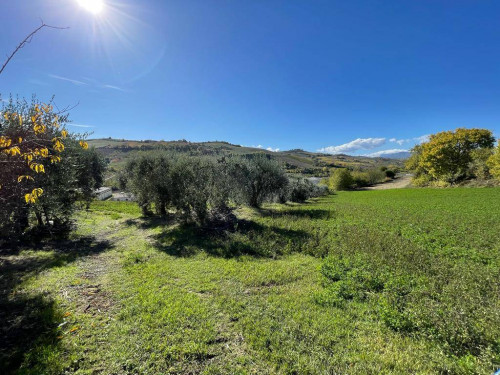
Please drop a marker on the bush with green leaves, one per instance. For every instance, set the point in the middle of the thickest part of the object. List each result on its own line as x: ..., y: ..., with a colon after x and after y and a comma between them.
x: 67, y: 186
x: 478, y: 166
x: 360, y: 179
x: 341, y: 179
x: 390, y: 173
x: 301, y: 189
x: 493, y: 163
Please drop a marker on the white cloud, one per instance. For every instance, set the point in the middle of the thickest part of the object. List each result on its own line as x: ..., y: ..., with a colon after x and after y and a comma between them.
x: 114, y: 88
x: 422, y: 138
x: 266, y: 148
x: 92, y: 83
x: 357, y: 144
x: 81, y: 125
x: 386, y: 152
x: 399, y: 141
x: 73, y: 81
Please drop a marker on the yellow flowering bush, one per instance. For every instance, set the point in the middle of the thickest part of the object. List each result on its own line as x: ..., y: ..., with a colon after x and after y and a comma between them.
x: 30, y: 137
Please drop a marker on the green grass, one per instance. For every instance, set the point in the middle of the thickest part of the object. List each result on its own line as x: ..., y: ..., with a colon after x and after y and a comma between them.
x: 391, y: 282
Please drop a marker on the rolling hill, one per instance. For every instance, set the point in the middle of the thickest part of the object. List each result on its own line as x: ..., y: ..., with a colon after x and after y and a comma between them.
x: 117, y: 151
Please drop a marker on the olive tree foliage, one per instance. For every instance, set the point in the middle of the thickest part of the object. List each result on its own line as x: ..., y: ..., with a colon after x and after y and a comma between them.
x: 448, y: 155
x: 259, y: 179
x: 45, y: 170
x: 200, y: 189
x: 301, y: 189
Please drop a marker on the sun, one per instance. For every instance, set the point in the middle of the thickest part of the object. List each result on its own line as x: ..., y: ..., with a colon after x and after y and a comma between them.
x: 93, y: 6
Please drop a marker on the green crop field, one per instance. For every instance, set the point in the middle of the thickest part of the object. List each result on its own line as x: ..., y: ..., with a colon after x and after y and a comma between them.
x: 370, y: 282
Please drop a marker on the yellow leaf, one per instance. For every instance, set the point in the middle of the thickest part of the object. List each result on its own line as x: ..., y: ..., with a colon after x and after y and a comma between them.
x: 64, y: 133
x: 58, y: 145
x: 13, y: 151
x: 84, y: 145
x: 25, y: 177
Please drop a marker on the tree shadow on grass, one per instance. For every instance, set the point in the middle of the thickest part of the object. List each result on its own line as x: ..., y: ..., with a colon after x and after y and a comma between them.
x: 151, y: 222
x: 31, y: 320
x: 307, y: 213
x: 244, y: 238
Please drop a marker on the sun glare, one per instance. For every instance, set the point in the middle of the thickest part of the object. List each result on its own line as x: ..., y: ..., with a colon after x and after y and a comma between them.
x: 93, y: 6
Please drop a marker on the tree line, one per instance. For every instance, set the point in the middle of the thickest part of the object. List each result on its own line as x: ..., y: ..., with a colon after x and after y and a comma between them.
x: 204, y: 189
x: 345, y: 179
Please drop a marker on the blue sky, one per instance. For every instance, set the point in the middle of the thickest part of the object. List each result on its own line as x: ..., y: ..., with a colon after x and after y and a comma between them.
x: 351, y: 76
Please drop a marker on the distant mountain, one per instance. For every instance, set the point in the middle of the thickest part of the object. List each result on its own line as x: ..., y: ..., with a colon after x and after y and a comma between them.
x: 398, y: 155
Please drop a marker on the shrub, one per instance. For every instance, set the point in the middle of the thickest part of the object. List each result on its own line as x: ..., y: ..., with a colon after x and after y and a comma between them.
x: 494, y: 163
x: 390, y: 174
x: 302, y: 189
x: 478, y: 166
x: 375, y: 176
x: 341, y: 179
x: 360, y: 179
x: 45, y: 170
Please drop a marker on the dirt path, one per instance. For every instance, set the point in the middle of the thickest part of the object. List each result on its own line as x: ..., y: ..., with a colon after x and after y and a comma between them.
x: 399, y: 183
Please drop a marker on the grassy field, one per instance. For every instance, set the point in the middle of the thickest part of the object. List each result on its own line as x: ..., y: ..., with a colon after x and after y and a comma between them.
x: 371, y: 282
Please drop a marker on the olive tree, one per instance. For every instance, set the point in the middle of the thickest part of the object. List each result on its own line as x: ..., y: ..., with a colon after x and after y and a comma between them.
x: 259, y: 178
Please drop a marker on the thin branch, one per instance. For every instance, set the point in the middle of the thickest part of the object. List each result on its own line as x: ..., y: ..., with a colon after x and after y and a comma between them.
x: 65, y: 109
x: 28, y: 40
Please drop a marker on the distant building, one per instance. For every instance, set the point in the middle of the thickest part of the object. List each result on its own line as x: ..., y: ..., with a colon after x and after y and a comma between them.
x: 103, y: 193
x: 122, y: 196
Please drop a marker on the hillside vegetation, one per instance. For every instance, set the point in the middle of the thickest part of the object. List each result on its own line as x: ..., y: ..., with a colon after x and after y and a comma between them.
x: 394, y: 282
x: 295, y: 161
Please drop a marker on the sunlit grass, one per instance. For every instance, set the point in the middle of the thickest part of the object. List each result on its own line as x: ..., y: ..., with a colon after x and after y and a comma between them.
x: 160, y: 298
